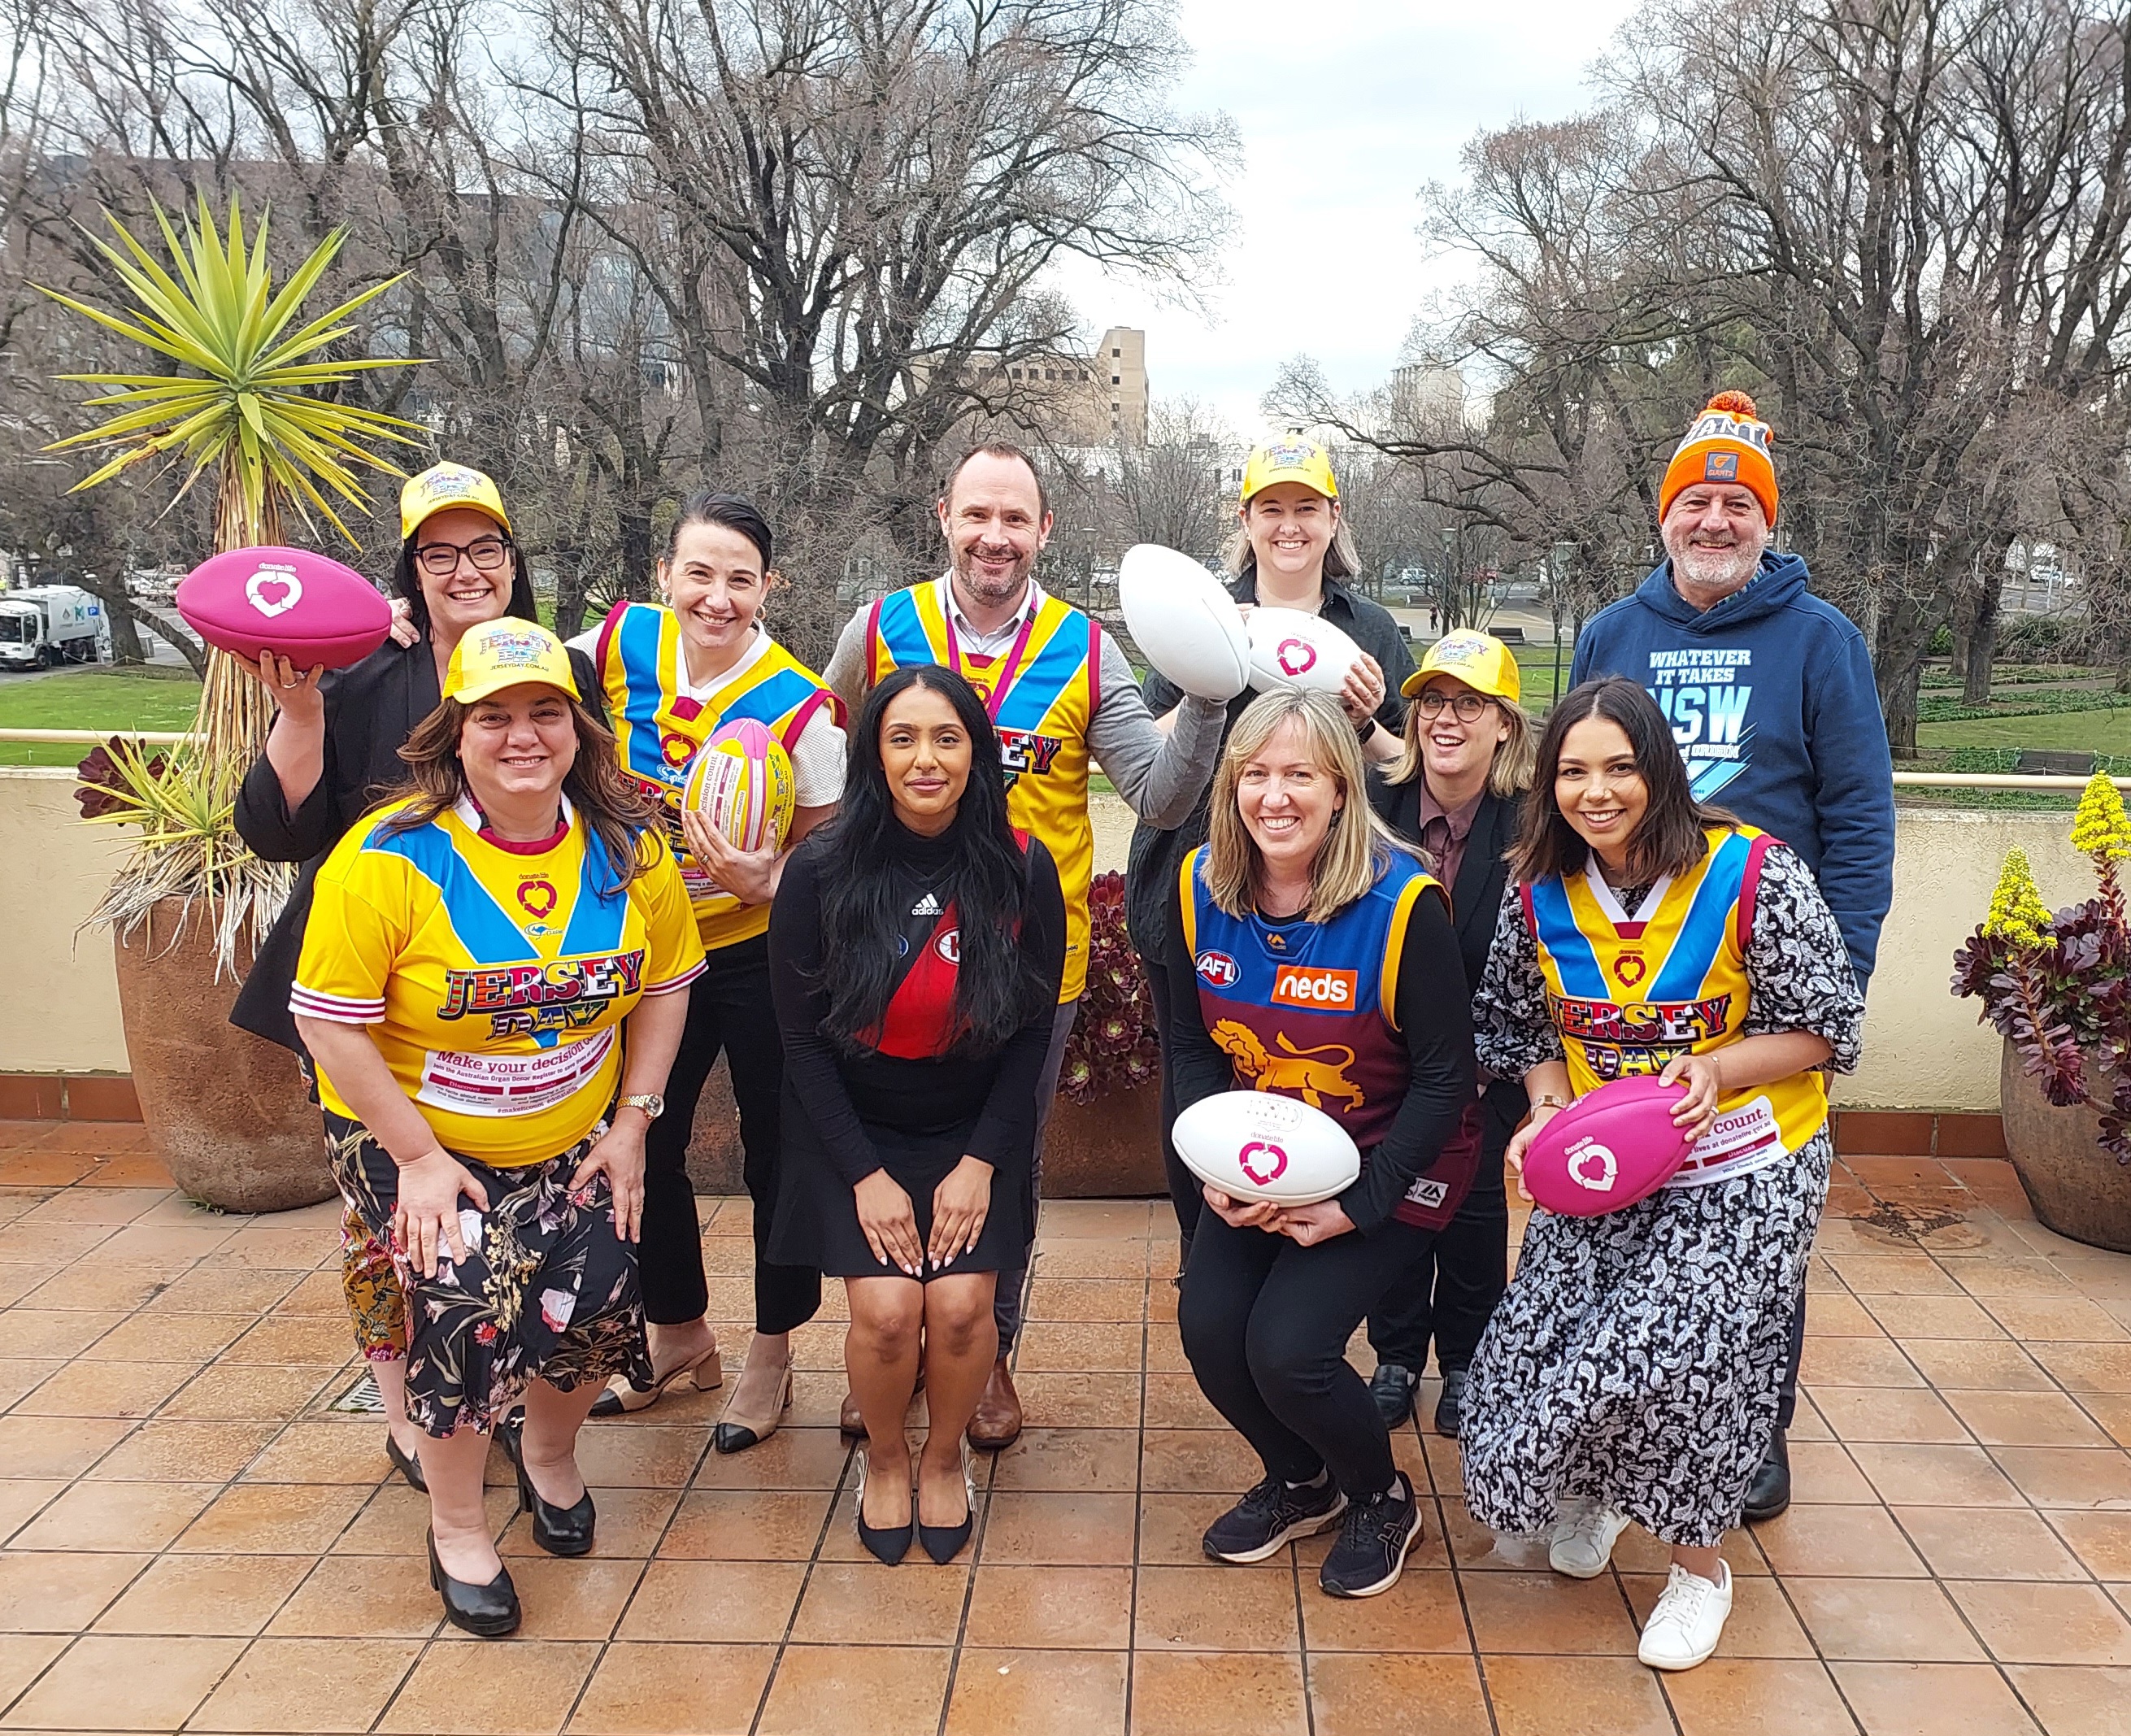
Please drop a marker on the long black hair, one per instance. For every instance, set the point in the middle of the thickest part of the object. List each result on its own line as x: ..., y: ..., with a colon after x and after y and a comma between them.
x: 997, y: 985
x: 1670, y: 838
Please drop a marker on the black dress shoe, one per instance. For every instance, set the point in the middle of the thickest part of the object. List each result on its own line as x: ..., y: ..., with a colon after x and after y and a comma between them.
x: 886, y: 1544
x: 559, y: 1530
x: 406, y: 1464
x: 1450, y: 1408
x: 489, y: 1610
x: 1392, y: 1387
x: 1769, y: 1493
x: 944, y: 1543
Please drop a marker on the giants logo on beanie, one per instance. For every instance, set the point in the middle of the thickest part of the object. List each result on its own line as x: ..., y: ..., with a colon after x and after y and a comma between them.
x: 1728, y: 442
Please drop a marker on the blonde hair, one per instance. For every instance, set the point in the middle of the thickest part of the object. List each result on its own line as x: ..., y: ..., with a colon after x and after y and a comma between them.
x: 1516, y: 755
x: 1355, y: 850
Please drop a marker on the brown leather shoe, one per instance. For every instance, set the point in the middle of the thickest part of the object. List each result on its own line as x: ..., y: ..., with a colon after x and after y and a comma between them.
x: 851, y: 1420
x: 997, y: 1422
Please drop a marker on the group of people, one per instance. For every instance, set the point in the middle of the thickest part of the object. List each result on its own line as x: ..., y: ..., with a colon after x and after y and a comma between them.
x: 514, y: 955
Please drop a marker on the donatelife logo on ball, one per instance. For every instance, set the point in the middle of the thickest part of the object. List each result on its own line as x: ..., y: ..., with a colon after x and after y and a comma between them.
x: 1296, y: 656
x: 274, y: 589
x: 1592, y: 1166
x: 1259, y: 1148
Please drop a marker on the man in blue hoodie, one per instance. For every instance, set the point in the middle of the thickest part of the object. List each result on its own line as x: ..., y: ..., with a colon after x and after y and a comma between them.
x: 1771, y: 694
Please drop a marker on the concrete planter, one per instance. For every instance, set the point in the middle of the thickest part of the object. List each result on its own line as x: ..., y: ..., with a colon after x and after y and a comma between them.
x: 225, y: 1110
x: 2076, y: 1188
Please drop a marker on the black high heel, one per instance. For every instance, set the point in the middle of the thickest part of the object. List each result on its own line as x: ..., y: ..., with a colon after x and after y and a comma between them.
x: 406, y: 1464
x: 887, y: 1544
x: 944, y: 1543
x: 490, y: 1610
x: 563, y: 1530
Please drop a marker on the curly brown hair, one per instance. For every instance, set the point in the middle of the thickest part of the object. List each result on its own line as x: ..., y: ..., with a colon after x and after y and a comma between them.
x: 626, y: 825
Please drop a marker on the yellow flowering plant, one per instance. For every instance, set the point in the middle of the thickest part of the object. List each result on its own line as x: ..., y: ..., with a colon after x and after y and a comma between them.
x: 2058, y: 987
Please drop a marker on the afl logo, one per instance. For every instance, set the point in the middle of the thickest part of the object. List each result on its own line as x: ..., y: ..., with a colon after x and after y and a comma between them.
x: 948, y: 946
x: 1217, y: 969
x: 1297, y: 656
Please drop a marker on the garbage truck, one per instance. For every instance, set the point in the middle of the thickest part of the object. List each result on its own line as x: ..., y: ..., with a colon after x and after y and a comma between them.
x: 44, y: 625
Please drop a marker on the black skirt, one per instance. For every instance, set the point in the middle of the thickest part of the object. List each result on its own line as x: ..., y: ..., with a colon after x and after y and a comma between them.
x: 817, y: 1217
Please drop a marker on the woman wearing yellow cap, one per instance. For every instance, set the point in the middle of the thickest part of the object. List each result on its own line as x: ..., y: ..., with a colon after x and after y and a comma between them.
x: 335, y: 744
x: 1289, y: 551
x: 491, y: 988
x: 1457, y: 790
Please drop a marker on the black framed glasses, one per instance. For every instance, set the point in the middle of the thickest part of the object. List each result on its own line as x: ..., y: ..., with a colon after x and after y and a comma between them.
x: 1467, y: 708
x: 440, y: 560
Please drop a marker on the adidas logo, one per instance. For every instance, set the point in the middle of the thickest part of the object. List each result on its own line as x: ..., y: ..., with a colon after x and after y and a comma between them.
x: 927, y: 905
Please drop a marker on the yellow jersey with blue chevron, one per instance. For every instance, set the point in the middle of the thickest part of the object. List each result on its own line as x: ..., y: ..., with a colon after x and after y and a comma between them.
x: 1628, y: 992
x: 493, y: 976
x: 1310, y: 1010
x: 657, y: 728
x: 1042, y: 695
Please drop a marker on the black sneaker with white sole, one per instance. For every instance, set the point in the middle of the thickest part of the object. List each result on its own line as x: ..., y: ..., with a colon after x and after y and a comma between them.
x: 1271, y: 1516
x: 1371, y: 1553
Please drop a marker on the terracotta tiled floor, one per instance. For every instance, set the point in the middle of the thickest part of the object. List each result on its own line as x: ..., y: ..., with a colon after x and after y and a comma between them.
x: 194, y: 1540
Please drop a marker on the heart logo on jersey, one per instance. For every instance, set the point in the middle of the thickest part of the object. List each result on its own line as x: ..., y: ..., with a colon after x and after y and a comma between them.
x: 274, y: 591
x: 1296, y: 656
x: 1630, y: 969
x: 1274, y: 1171
x: 676, y: 749
x: 538, y: 897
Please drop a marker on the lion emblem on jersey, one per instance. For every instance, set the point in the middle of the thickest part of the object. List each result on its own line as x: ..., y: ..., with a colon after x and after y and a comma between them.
x: 1309, y: 1074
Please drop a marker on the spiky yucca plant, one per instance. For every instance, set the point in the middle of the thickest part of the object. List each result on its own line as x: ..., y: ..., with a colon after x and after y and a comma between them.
x: 241, y: 402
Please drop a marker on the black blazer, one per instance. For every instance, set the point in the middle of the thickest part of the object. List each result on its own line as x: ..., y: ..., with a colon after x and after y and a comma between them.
x: 370, y: 709
x: 1475, y: 903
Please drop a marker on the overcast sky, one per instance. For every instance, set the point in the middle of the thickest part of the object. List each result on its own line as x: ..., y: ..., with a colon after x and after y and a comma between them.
x: 1346, y: 110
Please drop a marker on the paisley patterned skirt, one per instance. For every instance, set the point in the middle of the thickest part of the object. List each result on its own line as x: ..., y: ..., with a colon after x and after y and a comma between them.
x: 1637, y: 1356
x: 548, y: 1290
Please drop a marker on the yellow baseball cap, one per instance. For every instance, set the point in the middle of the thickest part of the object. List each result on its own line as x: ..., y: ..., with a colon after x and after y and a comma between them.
x: 1290, y: 459
x: 507, y: 653
x: 1482, y: 661
x: 442, y: 486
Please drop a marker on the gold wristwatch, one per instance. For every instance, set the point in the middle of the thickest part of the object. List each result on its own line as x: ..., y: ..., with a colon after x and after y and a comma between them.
x: 650, y: 1102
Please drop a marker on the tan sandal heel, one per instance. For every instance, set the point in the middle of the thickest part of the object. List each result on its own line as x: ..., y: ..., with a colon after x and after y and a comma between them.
x: 738, y: 1430
x: 705, y: 1373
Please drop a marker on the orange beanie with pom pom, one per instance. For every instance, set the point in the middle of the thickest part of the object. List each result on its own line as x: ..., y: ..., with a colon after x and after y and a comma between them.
x: 1729, y: 442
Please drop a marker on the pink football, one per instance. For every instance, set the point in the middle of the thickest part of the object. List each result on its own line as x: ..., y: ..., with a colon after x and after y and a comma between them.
x: 306, y: 607
x: 1611, y: 1148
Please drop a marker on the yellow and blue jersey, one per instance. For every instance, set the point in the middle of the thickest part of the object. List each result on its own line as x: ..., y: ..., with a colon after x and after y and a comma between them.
x: 1042, y: 696
x: 657, y: 729
x: 1628, y: 993
x: 493, y: 977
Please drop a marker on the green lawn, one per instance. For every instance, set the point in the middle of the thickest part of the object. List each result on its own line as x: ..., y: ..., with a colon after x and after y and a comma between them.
x: 113, y: 700
x: 2101, y: 732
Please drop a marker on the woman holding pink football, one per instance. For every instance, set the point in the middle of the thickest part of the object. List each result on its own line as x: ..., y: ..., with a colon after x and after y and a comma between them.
x: 672, y: 674
x: 1632, y: 1371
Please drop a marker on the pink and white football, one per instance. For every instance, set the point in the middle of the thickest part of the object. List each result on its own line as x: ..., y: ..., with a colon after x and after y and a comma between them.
x: 1253, y: 1145
x: 1611, y: 1148
x: 306, y: 607
x: 1290, y: 648
x: 741, y: 780
x: 1183, y: 623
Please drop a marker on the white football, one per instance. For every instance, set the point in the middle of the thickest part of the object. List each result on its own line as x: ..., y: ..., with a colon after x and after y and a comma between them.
x: 1188, y: 627
x: 1253, y: 1145
x: 1292, y: 648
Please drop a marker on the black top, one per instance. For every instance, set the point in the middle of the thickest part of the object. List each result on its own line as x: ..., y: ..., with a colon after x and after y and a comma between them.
x: 371, y: 708
x: 1155, y: 854
x: 984, y: 1104
x: 1474, y: 901
x: 1435, y: 1019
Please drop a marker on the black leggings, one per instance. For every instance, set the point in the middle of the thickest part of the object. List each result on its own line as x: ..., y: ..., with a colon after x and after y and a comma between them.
x: 1265, y: 1322
x: 728, y: 1010
x: 1452, y: 1293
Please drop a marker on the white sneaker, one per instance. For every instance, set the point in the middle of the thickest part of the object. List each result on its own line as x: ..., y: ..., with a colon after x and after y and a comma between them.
x: 1581, y: 1541
x: 1687, y: 1623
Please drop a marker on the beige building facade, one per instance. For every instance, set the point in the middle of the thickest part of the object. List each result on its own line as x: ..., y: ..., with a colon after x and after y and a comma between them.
x: 1101, y: 399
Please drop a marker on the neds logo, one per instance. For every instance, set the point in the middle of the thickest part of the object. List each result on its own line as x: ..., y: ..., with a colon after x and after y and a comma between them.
x: 1324, y: 990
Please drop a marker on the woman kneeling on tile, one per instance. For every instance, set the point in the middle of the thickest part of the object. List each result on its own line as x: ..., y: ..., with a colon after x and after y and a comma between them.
x: 491, y: 958
x: 915, y: 953
x: 1632, y: 1371
x: 1309, y: 930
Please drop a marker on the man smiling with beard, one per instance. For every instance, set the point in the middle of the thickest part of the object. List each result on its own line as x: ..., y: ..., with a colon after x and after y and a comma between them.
x: 1063, y: 699
x: 1770, y: 693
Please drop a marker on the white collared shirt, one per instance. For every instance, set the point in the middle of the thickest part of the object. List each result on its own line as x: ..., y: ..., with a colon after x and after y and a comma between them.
x: 1000, y: 640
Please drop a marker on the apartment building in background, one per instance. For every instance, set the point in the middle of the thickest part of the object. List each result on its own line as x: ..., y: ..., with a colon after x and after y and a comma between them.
x: 1097, y: 400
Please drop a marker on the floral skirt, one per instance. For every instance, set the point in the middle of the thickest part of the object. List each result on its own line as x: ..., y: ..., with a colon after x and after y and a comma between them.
x: 548, y: 1290
x: 376, y: 1305
x: 1637, y: 1357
